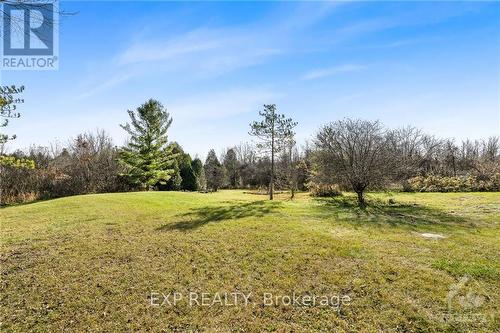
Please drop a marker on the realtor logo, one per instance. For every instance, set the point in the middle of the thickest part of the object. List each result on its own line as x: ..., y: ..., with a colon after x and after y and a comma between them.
x: 29, y: 41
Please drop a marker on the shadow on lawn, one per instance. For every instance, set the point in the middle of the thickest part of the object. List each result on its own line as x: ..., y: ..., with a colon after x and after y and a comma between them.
x: 198, y: 217
x: 378, y: 211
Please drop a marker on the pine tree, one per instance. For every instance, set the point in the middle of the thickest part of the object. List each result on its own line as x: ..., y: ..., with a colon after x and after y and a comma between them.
x: 232, y: 167
x: 189, y: 181
x: 197, y: 166
x: 202, y: 180
x: 274, y: 131
x: 199, y: 171
x: 147, y: 158
x: 186, y: 178
x: 175, y: 181
x: 214, y: 171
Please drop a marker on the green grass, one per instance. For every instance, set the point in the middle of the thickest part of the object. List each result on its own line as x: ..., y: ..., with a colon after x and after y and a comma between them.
x: 89, y: 263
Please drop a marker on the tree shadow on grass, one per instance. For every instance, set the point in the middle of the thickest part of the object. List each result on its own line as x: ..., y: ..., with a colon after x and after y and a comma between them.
x: 379, y: 212
x: 198, y: 217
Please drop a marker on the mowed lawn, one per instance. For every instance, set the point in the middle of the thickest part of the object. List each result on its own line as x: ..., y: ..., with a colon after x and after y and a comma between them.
x: 89, y: 263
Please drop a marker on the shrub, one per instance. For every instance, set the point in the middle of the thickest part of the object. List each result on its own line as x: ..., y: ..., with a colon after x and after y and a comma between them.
x: 324, y: 190
x: 16, y: 180
x: 472, y: 183
x: 88, y: 165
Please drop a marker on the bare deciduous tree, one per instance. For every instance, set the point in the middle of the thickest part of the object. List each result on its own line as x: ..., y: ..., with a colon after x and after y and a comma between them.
x: 409, y: 149
x: 8, y: 109
x: 353, y: 153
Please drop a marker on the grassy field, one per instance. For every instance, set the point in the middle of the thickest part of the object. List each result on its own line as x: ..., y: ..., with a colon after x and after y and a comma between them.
x: 90, y: 263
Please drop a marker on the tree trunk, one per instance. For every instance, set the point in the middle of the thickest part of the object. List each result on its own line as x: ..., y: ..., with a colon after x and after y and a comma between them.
x: 293, y: 181
x: 361, y: 199
x: 271, y: 186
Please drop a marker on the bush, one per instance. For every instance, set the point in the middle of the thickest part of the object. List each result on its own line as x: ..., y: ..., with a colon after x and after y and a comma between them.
x: 472, y: 183
x: 324, y: 190
x: 88, y: 165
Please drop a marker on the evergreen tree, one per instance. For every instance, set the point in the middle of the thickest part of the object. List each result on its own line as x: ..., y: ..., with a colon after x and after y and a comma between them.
x: 147, y: 158
x: 197, y: 166
x: 214, y: 171
x: 175, y: 181
x: 202, y: 180
x: 232, y: 168
x: 189, y: 179
x: 274, y: 131
x: 199, y: 171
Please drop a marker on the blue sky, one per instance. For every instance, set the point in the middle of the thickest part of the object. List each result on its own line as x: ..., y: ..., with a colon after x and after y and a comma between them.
x: 432, y: 65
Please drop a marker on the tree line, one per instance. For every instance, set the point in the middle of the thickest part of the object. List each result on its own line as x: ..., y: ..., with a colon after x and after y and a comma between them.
x: 345, y: 155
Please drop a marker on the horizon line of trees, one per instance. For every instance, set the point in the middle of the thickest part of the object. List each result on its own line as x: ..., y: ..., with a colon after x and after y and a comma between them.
x: 349, y: 154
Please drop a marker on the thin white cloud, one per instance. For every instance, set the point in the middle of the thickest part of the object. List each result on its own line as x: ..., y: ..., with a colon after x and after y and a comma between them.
x: 195, y: 41
x: 329, y: 71
x: 108, y: 84
x: 203, y: 52
x: 198, y: 53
